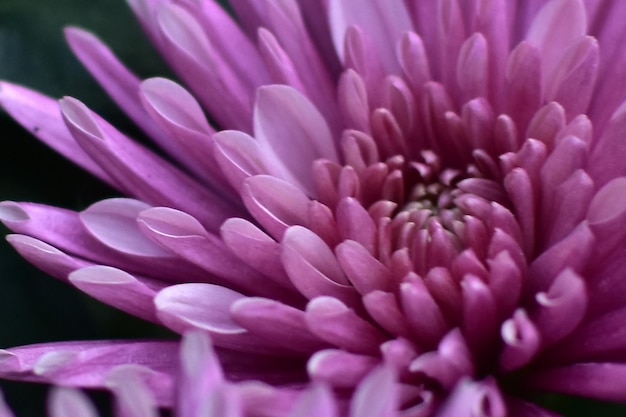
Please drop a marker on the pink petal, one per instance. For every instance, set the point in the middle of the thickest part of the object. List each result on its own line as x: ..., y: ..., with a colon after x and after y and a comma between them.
x: 141, y: 172
x: 335, y: 323
x: 85, y: 364
x: 575, y: 77
x: 185, y: 236
x: 423, y: 314
x: 340, y: 369
x: 41, y: 115
x: 68, y: 402
x: 364, y: 271
x: 472, y: 67
x: 551, y: 36
x: 602, y: 381
x: 193, y: 56
x: 176, y: 111
x: 45, y: 257
x: 562, y: 308
x: 207, y: 307
x: 385, y: 24
x: 63, y: 229
x: 523, y: 83
x: 376, y: 396
x: 117, y: 289
x: 521, y: 341
x: 605, y: 163
x: 314, y: 402
x: 121, y: 84
x: 313, y: 268
x: 283, y: 324
x: 275, y: 204
x: 113, y: 222
x: 133, y: 395
x: 262, y: 252
x: 471, y: 398
x: 288, y: 125
x: 200, y: 373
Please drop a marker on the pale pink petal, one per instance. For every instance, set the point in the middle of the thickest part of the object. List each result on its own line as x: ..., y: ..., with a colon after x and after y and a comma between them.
x: 67, y: 402
x: 141, y: 172
x: 117, y: 289
x: 287, y: 125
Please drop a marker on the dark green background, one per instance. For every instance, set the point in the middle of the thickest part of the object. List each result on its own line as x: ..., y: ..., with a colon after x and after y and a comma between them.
x: 34, y: 307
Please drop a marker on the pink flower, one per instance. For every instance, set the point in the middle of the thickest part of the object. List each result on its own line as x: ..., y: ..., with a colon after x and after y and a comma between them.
x: 415, y: 208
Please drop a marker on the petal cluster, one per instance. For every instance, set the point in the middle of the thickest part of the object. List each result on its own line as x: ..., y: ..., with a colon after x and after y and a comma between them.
x: 399, y: 208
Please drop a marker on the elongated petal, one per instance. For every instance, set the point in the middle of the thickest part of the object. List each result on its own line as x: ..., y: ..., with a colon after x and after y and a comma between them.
x: 41, y: 115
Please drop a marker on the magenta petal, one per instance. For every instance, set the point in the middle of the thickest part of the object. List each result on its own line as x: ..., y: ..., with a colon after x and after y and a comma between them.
x: 602, y: 381
x: 114, y: 223
x: 64, y: 230
x: 239, y: 157
x: 275, y: 203
x: 207, y: 307
x: 176, y: 111
x: 185, y: 236
x: 521, y: 341
x: 355, y: 223
x: 68, y: 402
x: 262, y: 252
x: 571, y: 252
x: 472, y: 70
x: 84, y: 364
x: 479, y: 314
x: 364, y: 271
x: 353, y: 100
x: 385, y: 25
x: 139, y: 171
x: 312, y: 266
x: 575, y: 77
x: 422, y: 313
x: 562, y: 307
x: 136, y: 390
x: 284, y: 325
x: 335, y: 323
x: 200, y: 373
x: 471, y: 398
x: 340, y: 369
x: 192, y: 55
x: 551, y: 37
x: 315, y: 402
x: 117, y: 289
x: 117, y: 80
x: 376, y: 396
x: 278, y: 62
x: 46, y: 257
x: 200, y: 306
x: 285, y: 20
x: 287, y: 124
x: 413, y: 59
x: 41, y: 115
x: 523, y: 83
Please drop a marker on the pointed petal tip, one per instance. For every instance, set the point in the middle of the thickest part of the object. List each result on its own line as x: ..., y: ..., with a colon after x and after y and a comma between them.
x: 79, y: 116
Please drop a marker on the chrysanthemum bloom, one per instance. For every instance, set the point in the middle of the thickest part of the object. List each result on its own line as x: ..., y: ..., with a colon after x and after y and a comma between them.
x: 429, y: 195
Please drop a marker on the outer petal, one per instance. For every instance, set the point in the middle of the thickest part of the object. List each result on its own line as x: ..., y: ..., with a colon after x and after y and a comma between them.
x: 41, y: 115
